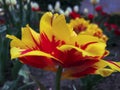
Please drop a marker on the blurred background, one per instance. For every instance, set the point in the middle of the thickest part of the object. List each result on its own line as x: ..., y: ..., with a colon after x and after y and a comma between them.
x: 15, y: 14
x: 108, y: 6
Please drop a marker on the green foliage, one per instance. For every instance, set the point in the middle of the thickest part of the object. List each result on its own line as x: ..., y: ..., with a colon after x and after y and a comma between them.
x: 90, y: 81
x: 15, y: 18
x: 16, y: 67
x: 115, y: 18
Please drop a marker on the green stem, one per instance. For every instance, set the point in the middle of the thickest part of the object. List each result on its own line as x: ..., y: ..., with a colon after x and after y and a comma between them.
x: 58, y: 78
x: 94, y: 12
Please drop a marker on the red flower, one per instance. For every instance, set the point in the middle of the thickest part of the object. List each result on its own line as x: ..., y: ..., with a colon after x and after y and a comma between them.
x: 114, y: 26
x: 117, y: 31
x: 106, y: 24
x: 35, y: 9
x: 35, y: 6
x: 74, y: 15
x: 2, y: 21
x: 104, y: 13
x: 90, y: 16
x: 98, y: 8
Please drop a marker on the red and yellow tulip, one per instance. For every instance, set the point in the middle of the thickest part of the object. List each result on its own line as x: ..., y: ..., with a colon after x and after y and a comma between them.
x: 82, y: 26
x: 57, y: 44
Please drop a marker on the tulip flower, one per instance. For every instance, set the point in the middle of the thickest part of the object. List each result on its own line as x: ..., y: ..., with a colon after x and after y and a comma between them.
x: 99, y: 9
x: 74, y: 15
x: 59, y: 49
x: 34, y: 6
x: 91, y: 16
x: 82, y: 26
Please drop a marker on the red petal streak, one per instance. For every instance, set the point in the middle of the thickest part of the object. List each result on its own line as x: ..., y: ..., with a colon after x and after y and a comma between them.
x: 86, y: 45
x: 105, y: 54
x: 37, y: 44
x: 47, y: 45
x: 83, y: 65
x: 26, y: 51
x: 72, y: 58
x: 50, y: 46
x: 38, y: 62
x: 52, y: 20
x: 80, y: 71
x: 114, y: 63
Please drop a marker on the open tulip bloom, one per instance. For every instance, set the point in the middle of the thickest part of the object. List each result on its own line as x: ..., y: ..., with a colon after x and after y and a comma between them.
x: 59, y: 48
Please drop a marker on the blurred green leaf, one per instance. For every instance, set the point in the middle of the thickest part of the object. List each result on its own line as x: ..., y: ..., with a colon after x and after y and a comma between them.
x: 2, y: 78
x: 90, y: 80
x: 16, y: 68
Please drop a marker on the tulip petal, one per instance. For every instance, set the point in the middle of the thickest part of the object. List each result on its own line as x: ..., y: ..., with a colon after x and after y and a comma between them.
x: 55, y: 25
x: 46, y: 24
x: 16, y: 52
x: 105, y: 68
x: 16, y: 42
x: 30, y: 39
x: 84, y: 53
x: 34, y: 35
x: 39, y: 62
x: 60, y: 28
x: 97, y: 49
x: 104, y: 72
x: 114, y: 65
x: 83, y: 39
x: 82, y: 69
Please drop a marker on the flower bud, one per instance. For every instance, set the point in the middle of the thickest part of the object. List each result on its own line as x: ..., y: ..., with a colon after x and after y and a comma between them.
x: 57, y: 6
x: 11, y: 2
x: 69, y: 9
x: 50, y: 7
x: 94, y: 2
x: 2, y: 12
x: 85, y: 10
x: 76, y: 8
x: 25, y: 7
x: 35, y: 6
x: 61, y: 11
x: 28, y: 1
x: 66, y: 13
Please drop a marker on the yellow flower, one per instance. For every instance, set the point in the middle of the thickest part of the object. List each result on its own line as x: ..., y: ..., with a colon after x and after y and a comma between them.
x: 57, y: 44
x: 82, y: 26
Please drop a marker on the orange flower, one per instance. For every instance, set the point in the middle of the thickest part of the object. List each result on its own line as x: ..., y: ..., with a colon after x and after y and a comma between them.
x: 57, y: 44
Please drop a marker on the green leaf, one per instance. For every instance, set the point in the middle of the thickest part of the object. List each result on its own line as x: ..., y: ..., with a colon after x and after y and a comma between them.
x: 17, y: 66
